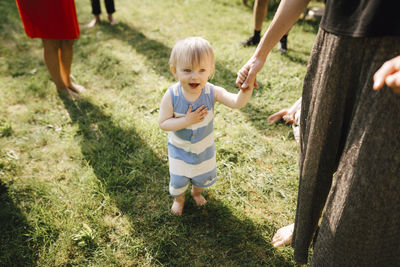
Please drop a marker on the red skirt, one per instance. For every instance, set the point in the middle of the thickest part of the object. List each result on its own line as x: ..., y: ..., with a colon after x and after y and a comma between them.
x: 49, y: 19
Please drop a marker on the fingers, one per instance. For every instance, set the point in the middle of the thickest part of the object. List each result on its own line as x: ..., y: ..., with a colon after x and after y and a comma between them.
x: 276, y: 237
x: 283, y: 236
x: 241, y: 76
x: 246, y: 77
x: 277, y: 116
x: 250, y: 81
x: 388, y: 69
x: 393, y: 81
x: 278, y: 244
x: 201, y: 112
x: 277, y: 240
x: 202, y: 108
x: 289, y: 118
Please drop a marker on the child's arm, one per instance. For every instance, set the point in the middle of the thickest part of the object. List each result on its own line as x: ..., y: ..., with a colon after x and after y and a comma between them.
x: 238, y: 100
x: 168, y: 122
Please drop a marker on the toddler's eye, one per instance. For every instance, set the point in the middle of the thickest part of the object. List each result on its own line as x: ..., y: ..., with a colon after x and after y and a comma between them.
x: 202, y: 70
x: 187, y: 70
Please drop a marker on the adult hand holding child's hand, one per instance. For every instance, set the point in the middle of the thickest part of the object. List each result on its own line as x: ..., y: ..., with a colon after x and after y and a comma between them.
x: 246, y: 76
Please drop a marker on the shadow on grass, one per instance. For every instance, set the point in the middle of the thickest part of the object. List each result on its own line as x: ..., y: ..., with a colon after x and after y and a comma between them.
x: 15, y: 249
x: 156, y: 53
x: 137, y: 179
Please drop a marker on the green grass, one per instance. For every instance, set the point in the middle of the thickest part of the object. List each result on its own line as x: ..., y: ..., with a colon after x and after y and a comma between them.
x: 85, y: 183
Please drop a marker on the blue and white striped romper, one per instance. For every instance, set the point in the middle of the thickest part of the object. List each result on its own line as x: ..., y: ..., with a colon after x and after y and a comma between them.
x: 191, y: 151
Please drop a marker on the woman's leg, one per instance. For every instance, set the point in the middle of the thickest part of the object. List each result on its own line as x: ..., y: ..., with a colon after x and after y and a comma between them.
x: 51, y: 59
x: 110, y: 10
x: 96, y: 10
x: 65, y: 56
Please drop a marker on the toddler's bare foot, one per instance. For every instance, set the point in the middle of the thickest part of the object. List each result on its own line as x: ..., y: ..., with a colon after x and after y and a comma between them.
x: 197, y: 196
x: 283, y: 236
x: 200, y: 200
x: 77, y: 88
x: 277, y: 116
x: 177, y: 206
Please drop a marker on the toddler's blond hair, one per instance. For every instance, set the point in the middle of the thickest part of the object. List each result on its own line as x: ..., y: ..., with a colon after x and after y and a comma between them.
x: 191, y: 51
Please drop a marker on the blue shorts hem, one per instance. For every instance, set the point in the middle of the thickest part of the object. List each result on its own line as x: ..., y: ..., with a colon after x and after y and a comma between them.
x: 208, y: 185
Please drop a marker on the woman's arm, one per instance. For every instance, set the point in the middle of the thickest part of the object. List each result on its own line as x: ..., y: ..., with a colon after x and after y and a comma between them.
x: 287, y: 14
x: 238, y: 100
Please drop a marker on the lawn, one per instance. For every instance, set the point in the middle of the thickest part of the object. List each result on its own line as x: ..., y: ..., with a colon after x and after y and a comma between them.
x: 85, y: 182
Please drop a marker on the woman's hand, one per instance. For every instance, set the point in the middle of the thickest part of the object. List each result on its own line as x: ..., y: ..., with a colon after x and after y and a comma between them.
x: 388, y: 74
x: 246, y: 76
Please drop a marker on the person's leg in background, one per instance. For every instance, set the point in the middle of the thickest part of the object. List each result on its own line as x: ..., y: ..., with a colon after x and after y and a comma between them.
x: 260, y: 10
x: 65, y: 58
x: 51, y: 59
x: 282, y: 45
x: 110, y: 10
x: 96, y: 10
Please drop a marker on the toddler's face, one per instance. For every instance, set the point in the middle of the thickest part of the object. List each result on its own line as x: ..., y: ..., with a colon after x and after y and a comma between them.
x: 193, y: 77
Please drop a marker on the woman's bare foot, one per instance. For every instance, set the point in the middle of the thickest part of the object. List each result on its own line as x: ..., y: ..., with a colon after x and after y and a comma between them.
x: 197, y: 196
x: 283, y: 236
x: 64, y: 92
x: 277, y: 116
x: 177, y: 206
x: 76, y: 88
x: 93, y: 22
x: 111, y: 19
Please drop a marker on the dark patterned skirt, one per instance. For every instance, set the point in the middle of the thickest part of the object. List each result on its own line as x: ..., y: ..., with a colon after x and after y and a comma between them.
x: 349, y: 156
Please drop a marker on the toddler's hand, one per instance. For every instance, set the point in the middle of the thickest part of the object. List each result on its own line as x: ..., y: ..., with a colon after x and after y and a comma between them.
x: 196, y: 116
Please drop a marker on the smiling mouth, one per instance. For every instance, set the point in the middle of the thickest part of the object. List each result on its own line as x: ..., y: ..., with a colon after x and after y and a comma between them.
x: 193, y: 85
